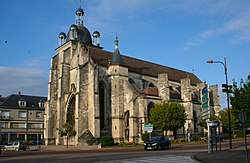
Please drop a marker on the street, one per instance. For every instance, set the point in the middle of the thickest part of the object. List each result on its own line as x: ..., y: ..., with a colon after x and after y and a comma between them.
x: 178, y: 153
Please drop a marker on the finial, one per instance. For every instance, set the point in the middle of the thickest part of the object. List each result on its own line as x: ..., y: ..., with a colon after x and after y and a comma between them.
x: 116, y: 40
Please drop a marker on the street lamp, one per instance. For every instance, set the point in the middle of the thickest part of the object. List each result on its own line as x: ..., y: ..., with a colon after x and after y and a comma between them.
x: 226, y: 89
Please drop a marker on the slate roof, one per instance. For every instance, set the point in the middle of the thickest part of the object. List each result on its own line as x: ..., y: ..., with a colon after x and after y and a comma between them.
x: 31, y: 101
x: 102, y: 57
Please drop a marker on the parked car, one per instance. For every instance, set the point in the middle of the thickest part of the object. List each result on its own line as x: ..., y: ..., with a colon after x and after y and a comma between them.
x: 15, y: 146
x: 158, y: 142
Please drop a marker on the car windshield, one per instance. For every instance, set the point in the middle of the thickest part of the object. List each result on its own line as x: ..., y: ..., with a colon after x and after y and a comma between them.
x: 155, y: 139
x: 10, y: 143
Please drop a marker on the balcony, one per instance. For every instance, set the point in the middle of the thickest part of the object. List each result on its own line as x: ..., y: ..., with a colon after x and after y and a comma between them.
x: 4, y: 117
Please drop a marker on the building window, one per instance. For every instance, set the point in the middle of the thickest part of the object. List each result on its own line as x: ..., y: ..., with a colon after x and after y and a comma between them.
x: 21, y: 125
x: 41, y: 104
x: 22, y: 114
x: 37, y: 125
x: 3, y: 125
x: 5, y: 115
x: 38, y: 114
x: 22, y: 103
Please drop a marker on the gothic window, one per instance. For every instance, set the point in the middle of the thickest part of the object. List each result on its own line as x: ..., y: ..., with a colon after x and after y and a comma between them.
x: 70, y: 119
x: 126, y: 119
x: 195, y: 119
x: 150, y: 107
x: 102, y: 104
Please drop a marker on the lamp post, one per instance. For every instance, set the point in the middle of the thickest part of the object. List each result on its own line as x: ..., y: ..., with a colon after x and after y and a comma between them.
x: 227, y: 92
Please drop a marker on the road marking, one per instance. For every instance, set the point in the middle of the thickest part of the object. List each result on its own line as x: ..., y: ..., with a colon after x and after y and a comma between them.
x: 158, y: 159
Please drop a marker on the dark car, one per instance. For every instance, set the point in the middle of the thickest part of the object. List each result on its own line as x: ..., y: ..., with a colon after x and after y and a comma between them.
x: 158, y: 142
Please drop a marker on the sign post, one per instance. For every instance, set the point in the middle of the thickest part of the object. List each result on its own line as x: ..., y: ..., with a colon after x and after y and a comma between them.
x: 149, y: 128
x: 243, y: 119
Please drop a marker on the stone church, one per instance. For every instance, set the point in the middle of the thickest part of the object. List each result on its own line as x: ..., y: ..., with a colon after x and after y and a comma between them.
x: 100, y: 93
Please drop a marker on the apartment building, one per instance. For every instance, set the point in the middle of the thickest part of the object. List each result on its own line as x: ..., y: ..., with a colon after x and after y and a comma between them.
x: 22, y: 118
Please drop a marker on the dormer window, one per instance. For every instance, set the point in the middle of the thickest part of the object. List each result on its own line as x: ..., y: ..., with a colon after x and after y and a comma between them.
x: 41, y: 104
x: 22, y: 103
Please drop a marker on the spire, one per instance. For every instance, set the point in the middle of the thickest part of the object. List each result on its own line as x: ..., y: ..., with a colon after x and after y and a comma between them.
x: 116, y: 58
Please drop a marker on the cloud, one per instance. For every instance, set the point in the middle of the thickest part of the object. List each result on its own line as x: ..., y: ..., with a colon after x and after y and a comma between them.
x: 27, y: 79
x: 236, y: 25
x: 107, y: 16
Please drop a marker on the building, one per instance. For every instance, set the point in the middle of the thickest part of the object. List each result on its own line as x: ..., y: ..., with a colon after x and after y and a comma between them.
x: 98, y: 92
x: 22, y: 117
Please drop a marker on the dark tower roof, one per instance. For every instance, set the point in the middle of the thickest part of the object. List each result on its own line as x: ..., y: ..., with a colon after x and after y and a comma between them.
x: 79, y: 11
x: 116, y: 58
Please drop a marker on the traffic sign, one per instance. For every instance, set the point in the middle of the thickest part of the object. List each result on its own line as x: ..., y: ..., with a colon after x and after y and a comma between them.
x: 242, y: 116
x: 148, y: 127
x: 204, y: 98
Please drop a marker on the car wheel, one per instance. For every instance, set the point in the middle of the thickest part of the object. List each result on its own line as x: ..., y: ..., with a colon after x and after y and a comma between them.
x: 24, y: 149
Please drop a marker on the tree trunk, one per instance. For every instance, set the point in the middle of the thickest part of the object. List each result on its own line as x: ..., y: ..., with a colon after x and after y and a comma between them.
x: 175, y: 133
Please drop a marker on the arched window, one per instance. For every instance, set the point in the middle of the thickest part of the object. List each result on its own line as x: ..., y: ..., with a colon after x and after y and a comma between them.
x: 150, y: 107
x: 126, y: 119
x: 195, y: 119
x: 102, y: 104
x: 70, y: 119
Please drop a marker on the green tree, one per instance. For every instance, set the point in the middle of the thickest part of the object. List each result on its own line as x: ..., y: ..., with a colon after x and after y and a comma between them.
x: 240, y: 97
x: 168, y: 116
x: 223, y: 114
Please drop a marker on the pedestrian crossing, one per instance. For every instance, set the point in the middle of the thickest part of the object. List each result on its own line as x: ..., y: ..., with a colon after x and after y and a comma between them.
x: 158, y: 159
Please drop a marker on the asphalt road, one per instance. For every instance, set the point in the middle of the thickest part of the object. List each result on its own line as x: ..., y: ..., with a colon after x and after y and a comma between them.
x: 181, y: 151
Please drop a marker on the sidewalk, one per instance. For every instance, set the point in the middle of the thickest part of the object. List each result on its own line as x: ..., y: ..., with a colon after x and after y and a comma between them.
x: 236, y: 155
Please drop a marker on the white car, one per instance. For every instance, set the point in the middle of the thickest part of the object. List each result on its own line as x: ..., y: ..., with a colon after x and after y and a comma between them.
x: 15, y: 146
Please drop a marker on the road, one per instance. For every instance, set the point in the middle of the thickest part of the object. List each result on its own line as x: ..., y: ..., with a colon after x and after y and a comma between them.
x: 178, y: 153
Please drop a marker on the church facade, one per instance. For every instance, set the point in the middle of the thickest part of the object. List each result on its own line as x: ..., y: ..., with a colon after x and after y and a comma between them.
x: 98, y: 92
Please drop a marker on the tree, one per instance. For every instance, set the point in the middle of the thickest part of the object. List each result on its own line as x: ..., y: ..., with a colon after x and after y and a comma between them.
x: 223, y: 114
x: 168, y: 116
x: 240, y: 97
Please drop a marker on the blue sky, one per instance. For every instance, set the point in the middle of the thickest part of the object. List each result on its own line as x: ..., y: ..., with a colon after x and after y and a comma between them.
x: 182, y: 34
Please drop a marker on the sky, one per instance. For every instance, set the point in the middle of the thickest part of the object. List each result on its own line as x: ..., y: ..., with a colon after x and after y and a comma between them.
x: 181, y: 34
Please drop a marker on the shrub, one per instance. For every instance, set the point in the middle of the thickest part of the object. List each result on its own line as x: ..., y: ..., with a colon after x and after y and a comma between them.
x: 145, y: 137
x: 226, y: 135
x: 107, y: 141
x: 239, y: 133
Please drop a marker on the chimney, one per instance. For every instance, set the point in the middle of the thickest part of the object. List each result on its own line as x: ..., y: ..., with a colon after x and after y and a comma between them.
x: 19, y: 93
